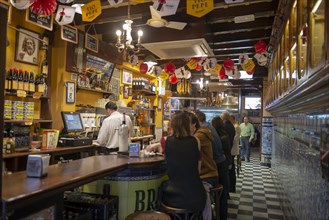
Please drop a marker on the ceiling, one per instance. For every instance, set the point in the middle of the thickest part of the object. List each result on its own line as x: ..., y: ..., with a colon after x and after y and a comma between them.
x: 226, y: 38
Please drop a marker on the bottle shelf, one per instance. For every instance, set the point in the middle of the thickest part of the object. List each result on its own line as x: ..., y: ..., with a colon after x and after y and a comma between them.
x: 27, y: 121
x: 95, y: 90
x: 146, y: 92
x: 27, y: 95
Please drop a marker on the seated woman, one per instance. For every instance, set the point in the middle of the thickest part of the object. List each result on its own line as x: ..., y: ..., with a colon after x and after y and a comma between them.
x: 184, y: 188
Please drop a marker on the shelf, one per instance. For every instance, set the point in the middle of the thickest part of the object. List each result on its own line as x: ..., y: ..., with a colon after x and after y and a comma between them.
x: 94, y: 90
x: 27, y: 121
x: 27, y: 96
x: 144, y: 91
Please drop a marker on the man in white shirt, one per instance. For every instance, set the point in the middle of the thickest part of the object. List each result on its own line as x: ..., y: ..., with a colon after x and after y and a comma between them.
x: 108, y: 135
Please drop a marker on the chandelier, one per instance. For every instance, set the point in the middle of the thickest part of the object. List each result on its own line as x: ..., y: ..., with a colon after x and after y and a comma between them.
x: 125, y: 40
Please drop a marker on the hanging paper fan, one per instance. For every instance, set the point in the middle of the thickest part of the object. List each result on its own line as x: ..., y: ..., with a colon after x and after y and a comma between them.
x: 212, y: 63
x: 198, y: 67
x: 170, y: 68
x: 157, y: 70
x: 143, y: 68
x: 228, y: 64
x: 243, y: 58
x: 173, y: 79
x: 43, y: 7
x: 180, y: 72
x: 221, y: 74
x: 187, y: 74
x: 260, y: 47
x: 261, y: 58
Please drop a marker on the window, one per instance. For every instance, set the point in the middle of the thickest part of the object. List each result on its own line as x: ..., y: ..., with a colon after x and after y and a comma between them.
x: 252, y: 103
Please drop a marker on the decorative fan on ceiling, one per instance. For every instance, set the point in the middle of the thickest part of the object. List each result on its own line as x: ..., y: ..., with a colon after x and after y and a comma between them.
x: 157, y: 22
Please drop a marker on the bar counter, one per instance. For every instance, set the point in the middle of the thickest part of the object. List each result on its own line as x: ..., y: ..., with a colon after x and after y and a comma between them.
x: 23, y: 196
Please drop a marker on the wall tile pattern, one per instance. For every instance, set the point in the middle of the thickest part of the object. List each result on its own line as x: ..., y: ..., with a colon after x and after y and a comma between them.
x: 296, y: 166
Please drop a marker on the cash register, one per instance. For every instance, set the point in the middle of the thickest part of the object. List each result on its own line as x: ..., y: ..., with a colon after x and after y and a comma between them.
x: 72, y: 134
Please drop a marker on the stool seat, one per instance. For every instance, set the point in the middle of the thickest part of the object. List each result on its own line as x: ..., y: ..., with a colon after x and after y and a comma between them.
x: 148, y: 215
x: 181, y: 214
x: 215, y: 194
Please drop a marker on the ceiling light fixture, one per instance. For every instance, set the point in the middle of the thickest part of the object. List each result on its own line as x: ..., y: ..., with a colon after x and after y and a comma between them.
x: 125, y: 40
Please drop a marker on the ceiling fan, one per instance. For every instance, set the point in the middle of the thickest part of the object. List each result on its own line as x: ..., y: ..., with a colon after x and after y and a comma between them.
x: 157, y: 22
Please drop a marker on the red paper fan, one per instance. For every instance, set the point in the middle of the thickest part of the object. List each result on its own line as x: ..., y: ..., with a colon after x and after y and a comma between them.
x: 221, y: 74
x: 228, y: 64
x: 260, y: 47
x: 173, y: 79
x: 170, y: 68
x: 43, y: 7
x: 143, y: 68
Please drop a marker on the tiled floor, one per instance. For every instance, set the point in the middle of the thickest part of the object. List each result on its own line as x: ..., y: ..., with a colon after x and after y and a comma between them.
x: 255, y: 197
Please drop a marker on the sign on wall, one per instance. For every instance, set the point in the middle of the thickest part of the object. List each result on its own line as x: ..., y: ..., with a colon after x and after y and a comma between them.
x: 91, y: 43
x: 69, y: 33
x: 45, y: 22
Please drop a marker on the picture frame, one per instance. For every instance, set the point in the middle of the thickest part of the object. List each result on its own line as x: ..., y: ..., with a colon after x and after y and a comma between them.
x: 91, y: 43
x: 45, y: 22
x: 126, y: 92
x: 127, y: 77
x: 70, y: 92
x: 27, y: 46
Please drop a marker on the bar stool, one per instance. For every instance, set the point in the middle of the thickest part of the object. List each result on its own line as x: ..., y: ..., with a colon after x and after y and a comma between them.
x: 181, y: 214
x: 215, y: 194
x: 148, y: 215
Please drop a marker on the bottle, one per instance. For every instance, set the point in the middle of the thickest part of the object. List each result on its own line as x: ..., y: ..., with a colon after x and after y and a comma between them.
x: 41, y: 86
x: 123, y: 135
x: 4, y: 142
x: 9, y: 78
x: 20, y: 80
x: 7, y: 81
x: 14, y: 82
x: 31, y: 83
x: 44, y: 67
x: 26, y: 81
x: 10, y: 146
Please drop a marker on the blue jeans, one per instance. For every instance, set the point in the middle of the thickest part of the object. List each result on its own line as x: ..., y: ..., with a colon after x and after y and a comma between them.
x: 245, y: 147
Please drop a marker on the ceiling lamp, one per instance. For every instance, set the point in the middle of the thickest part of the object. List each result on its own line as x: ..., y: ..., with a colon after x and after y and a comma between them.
x: 125, y: 40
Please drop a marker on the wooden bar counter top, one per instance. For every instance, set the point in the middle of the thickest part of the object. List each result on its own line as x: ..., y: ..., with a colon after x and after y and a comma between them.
x: 21, y: 192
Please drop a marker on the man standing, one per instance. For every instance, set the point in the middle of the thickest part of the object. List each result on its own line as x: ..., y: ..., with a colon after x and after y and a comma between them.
x: 108, y: 136
x: 247, y: 135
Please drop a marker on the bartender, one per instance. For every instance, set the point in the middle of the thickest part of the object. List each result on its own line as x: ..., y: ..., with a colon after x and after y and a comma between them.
x: 108, y: 136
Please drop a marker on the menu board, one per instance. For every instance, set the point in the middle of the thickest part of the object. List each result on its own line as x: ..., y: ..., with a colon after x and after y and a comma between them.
x: 91, y: 43
x: 69, y: 33
x: 45, y: 22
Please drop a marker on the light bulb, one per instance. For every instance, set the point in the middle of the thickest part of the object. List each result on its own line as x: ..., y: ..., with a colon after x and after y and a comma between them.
x: 140, y: 33
x: 118, y: 33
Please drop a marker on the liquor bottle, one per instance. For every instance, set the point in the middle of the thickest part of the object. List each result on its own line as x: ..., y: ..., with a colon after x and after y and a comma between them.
x: 26, y: 81
x: 14, y: 82
x: 4, y: 142
x: 9, y: 79
x: 6, y: 81
x: 41, y: 86
x: 10, y: 146
x: 123, y: 135
x: 44, y: 67
x: 20, y: 80
x: 31, y: 83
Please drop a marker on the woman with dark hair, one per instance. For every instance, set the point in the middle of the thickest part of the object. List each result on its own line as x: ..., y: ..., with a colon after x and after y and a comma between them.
x: 184, y: 188
x: 218, y: 124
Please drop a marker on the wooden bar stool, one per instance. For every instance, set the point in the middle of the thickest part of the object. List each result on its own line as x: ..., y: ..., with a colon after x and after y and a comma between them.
x: 181, y: 214
x: 148, y: 215
x: 215, y: 194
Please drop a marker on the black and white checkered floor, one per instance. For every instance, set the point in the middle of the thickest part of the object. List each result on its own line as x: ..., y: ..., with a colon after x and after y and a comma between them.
x: 256, y: 197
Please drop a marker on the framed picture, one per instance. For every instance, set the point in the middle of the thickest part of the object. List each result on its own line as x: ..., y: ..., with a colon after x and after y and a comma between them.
x: 126, y: 92
x: 70, y: 92
x: 27, y: 46
x: 127, y: 77
x: 91, y: 43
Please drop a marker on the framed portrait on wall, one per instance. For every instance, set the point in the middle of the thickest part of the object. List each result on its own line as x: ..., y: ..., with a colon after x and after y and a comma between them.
x: 126, y: 92
x: 127, y: 77
x: 27, y: 46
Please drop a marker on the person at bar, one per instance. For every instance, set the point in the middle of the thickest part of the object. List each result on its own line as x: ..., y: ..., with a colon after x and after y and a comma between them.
x: 184, y: 189
x: 108, y: 136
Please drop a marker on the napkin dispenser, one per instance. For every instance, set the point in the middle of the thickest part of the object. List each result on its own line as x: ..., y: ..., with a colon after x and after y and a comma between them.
x: 37, y: 165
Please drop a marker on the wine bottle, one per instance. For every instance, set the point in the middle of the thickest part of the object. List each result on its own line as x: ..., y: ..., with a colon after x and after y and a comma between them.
x: 41, y: 87
x: 26, y: 81
x: 14, y: 82
x: 10, y: 143
x: 31, y: 83
x: 123, y: 135
x: 20, y: 80
x: 44, y: 67
x: 9, y: 79
x: 36, y: 82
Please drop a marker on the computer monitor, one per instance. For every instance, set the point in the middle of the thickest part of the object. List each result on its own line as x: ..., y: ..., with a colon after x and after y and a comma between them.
x: 72, y: 122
